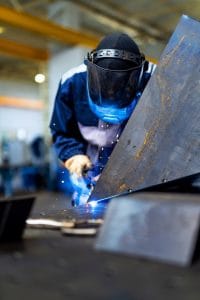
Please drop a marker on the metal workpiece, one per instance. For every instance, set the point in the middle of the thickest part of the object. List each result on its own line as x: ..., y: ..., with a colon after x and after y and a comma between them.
x: 83, y: 220
x: 53, y: 224
x: 156, y: 226
x: 68, y: 227
x: 79, y: 231
x: 161, y: 141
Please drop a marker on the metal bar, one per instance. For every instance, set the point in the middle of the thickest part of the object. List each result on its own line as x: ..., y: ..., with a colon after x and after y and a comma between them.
x: 48, y: 29
x: 20, y: 50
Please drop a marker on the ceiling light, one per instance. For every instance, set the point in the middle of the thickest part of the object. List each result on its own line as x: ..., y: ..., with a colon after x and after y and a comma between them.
x: 21, y: 134
x: 2, y: 29
x: 39, y: 78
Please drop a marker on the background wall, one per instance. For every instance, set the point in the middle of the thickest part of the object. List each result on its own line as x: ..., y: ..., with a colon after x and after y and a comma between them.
x: 59, y: 64
x: 20, y: 127
x: 13, y: 119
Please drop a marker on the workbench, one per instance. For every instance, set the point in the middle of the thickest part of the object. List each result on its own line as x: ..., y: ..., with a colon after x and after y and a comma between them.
x: 47, y: 265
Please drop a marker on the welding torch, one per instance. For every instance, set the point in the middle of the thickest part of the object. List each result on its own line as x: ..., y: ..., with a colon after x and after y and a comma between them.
x: 84, y: 185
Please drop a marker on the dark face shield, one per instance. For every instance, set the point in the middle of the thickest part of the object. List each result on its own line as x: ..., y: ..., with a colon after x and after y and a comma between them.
x: 111, y: 92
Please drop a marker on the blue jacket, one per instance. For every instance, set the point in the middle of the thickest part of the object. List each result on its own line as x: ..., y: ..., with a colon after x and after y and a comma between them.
x: 75, y: 128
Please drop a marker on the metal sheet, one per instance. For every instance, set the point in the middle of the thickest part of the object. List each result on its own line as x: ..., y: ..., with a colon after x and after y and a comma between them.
x: 161, y: 141
x: 157, y: 226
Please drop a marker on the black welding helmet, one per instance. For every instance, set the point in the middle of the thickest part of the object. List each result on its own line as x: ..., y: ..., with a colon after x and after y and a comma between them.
x: 115, y: 70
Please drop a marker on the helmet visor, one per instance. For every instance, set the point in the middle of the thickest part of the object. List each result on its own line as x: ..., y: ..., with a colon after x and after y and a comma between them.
x: 112, y: 88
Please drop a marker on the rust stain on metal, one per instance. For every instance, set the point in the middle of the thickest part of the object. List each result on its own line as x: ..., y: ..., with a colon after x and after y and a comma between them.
x: 129, y: 188
x: 147, y: 141
x: 141, y: 150
x: 138, y: 181
x: 166, y: 60
x: 165, y: 98
x: 122, y: 187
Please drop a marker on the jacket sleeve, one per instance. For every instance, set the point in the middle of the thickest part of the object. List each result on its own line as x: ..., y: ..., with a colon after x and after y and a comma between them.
x: 66, y: 136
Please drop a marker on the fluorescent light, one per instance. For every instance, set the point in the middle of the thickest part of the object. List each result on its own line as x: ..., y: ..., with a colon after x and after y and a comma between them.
x: 39, y: 78
x: 2, y: 29
x: 21, y: 134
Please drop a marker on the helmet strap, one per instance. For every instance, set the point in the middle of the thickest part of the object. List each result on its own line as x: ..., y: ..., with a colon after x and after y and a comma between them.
x: 95, y: 55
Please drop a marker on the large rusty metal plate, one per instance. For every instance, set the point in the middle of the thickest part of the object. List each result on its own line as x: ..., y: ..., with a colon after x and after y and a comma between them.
x: 161, y: 141
x: 161, y: 227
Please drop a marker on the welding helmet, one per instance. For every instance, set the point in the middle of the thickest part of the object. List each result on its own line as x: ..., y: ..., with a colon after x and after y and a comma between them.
x: 114, y: 74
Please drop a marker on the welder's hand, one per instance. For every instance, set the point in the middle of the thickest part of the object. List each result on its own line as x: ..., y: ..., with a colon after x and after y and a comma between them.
x: 78, y: 164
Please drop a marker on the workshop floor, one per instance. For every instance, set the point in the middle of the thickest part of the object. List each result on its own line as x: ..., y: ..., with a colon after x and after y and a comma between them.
x: 49, y: 265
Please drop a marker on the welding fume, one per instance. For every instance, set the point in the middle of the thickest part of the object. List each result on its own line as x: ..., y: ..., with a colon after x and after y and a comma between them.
x: 93, y: 104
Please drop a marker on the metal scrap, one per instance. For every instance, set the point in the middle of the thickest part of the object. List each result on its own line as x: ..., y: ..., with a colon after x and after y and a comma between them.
x: 67, y: 227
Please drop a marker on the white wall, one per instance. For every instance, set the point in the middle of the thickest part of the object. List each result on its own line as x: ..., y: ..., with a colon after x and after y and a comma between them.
x: 36, y: 122
x: 12, y: 119
x: 18, y: 88
x: 61, y: 63
x: 66, y: 14
x: 33, y: 121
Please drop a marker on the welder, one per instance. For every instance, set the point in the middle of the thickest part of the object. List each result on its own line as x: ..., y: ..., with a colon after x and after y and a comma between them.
x: 93, y: 104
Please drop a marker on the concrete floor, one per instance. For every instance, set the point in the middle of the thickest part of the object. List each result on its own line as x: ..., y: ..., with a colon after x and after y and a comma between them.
x: 48, y: 265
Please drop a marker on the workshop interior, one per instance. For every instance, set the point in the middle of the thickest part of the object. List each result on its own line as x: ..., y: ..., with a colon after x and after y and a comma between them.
x: 124, y: 228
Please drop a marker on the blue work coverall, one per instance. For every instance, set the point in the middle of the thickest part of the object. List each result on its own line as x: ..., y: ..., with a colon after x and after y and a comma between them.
x: 75, y: 128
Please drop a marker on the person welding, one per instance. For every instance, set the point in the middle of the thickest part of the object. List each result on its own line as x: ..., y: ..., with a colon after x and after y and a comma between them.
x: 93, y: 104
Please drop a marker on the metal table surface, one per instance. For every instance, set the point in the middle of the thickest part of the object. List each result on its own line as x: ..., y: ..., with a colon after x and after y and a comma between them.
x: 48, y: 265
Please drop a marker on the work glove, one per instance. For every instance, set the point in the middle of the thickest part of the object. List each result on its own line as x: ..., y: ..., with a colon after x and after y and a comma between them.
x: 77, y: 164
